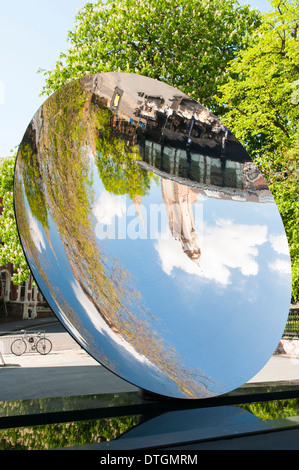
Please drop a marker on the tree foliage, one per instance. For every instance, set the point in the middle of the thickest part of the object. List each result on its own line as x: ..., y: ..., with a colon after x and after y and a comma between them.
x: 260, y: 97
x: 189, y: 44
x: 70, y: 145
x: 262, y: 110
x: 185, y: 43
x: 10, y: 248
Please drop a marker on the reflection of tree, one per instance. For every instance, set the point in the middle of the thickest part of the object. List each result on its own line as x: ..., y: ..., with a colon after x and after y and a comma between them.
x: 73, y: 122
x: 59, y: 435
x: 35, y: 197
x: 116, y: 161
x: 275, y: 409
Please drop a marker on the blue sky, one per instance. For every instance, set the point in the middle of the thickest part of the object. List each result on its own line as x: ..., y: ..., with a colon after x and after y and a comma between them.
x: 32, y: 33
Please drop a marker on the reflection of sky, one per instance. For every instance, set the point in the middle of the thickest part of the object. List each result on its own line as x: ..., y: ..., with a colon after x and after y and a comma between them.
x: 65, y: 288
x: 234, y: 303
x: 225, y: 315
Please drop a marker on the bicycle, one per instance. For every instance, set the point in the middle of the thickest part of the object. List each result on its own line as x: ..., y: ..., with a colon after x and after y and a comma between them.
x: 36, y: 341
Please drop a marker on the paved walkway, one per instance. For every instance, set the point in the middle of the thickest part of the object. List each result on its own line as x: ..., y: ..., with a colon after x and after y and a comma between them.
x: 71, y: 371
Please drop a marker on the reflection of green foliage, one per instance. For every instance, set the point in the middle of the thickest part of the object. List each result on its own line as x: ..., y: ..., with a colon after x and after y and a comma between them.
x: 73, y: 125
x: 116, y: 161
x: 64, y: 434
x: 62, y: 143
x: 273, y: 409
x: 61, y: 435
x: 35, y: 196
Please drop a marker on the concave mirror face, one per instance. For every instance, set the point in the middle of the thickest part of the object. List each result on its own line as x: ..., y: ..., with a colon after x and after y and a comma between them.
x: 152, y: 235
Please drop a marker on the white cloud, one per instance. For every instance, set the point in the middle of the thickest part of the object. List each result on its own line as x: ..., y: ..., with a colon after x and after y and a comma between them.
x: 281, y: 265
x: 279, y: 244
x: 36, y: 234
x: 108, y: 206
x: 225, y: 246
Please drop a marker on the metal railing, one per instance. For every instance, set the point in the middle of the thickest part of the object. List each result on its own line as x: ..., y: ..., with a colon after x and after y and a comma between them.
x: 292, y: 326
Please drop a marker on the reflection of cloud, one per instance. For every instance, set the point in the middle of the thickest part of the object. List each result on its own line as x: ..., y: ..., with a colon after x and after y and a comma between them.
x: 36, y: 234
x: 281, y: 265
x: 108, y: 206
x: 172, y: 255
x: 279, y: 244
x: 226, y: 246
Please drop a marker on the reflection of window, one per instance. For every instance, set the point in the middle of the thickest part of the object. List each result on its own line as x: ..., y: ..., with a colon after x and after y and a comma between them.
x: 2, y: 284
x: 22, y: 291
x: 34, y: 293
x: 116, y: 98
x: 40, y: 297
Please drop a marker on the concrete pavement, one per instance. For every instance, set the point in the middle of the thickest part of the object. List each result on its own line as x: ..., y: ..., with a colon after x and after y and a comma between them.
x: 69, y: 371
x: 70, y: 377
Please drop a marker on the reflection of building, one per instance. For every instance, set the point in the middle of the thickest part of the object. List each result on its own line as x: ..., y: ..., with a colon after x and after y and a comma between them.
x: 179, y: 138
x: 116, y: 98
x: 124, y: 130
x: 20, y: 302
x: 213, y: 176
x: 178, y: 200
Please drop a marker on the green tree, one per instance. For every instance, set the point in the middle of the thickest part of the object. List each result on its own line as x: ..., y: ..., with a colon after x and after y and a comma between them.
x: 185, y: 43
x: 10, y: 247
x: 262, y: 110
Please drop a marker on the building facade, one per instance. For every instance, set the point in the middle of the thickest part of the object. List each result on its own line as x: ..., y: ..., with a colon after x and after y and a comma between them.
x: 20, y: 302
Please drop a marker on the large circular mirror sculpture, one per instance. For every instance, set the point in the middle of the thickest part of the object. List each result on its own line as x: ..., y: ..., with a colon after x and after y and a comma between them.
x: 152, y: 235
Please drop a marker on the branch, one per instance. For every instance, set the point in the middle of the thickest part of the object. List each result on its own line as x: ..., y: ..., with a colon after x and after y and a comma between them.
x: 294, y: 33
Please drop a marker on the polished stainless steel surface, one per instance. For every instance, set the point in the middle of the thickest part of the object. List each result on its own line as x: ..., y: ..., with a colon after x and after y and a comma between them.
x: 152, y: 235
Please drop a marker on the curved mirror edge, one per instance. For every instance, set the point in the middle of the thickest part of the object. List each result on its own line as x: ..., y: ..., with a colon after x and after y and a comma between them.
x: 33, y: 244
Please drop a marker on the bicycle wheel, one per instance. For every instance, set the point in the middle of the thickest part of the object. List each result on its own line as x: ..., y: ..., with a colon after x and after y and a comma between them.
x: 18, y: 347
x: 44, y: 346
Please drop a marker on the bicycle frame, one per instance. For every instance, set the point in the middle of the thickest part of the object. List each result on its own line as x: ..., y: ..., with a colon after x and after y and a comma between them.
x: 32, y: 337
x: 36, y: 340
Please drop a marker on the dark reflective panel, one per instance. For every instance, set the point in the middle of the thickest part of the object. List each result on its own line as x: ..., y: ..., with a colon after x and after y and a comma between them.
x: 152, y: 235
